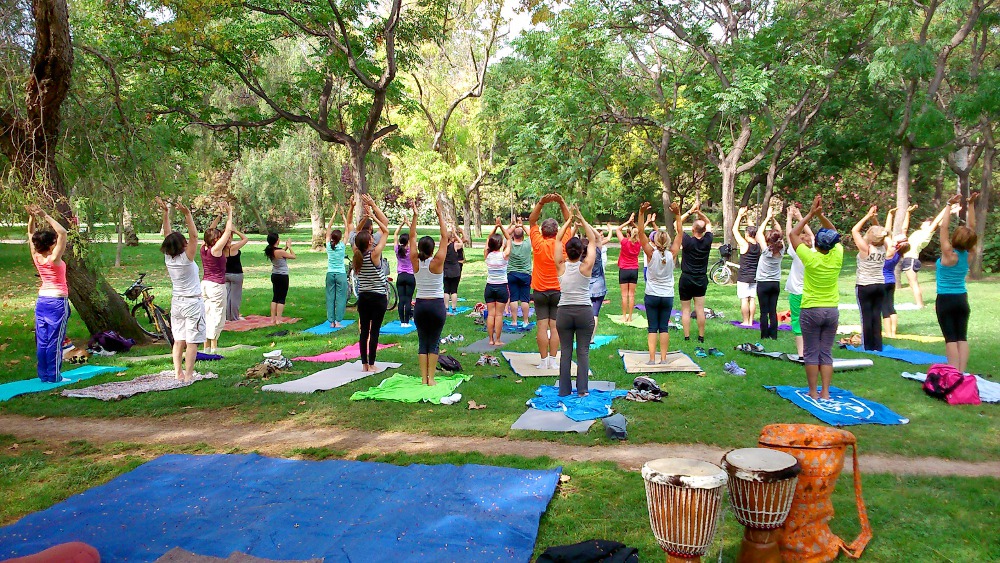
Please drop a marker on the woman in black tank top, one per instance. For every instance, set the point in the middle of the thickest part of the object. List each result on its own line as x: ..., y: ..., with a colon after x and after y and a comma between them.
x: 746, y: 279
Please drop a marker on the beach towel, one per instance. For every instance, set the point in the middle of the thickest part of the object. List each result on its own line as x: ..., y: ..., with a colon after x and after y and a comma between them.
x: 325, y: 328
x: 842, y: 409
x: 756, y: 326
x: 395, y: 327
x: 409, y: 389
x: 989, y: 391
x: 525, y: 364
x: 636, y: 362
x: 327, y: 379
x: 600, y: 340
x: 638, y: 321
x: 346, y: 353
x: 251, y: 322
x: 903, y: 355
x: 34, y: 385
x: 295, y: 509
x: 483, y: 346
x: 117, y: 390
x: 597, y: 403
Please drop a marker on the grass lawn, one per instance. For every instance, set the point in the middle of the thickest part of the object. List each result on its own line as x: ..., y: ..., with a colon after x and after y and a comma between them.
x: 600, y: 500
x: 718, y: 409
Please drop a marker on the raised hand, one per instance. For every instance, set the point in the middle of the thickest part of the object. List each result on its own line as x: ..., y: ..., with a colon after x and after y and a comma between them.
x: 675, y: 208
x: 912, y: 208
x: 159, y: 202
x: 817, y: 205
x: 872, y: 211
x: 182, y: 208
x: 644, y: 206
x: 957, y: 198
x: 973, y: 198
x: 33, y: 209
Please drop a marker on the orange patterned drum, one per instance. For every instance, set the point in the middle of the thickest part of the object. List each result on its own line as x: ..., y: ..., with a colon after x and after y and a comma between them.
x: 761, y: 488
x: 684, y: 497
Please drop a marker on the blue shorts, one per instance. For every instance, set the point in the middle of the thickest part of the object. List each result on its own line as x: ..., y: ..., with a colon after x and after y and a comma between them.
x: 519, y: 285
x: 496, y: 293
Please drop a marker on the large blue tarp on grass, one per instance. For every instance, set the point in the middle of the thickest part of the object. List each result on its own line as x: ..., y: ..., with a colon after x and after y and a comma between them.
x: 288, y: 509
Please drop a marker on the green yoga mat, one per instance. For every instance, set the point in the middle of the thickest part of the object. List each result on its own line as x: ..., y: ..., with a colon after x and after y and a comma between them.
x: 409, y: 389
x: 15, y: 388
x: 638, y: 321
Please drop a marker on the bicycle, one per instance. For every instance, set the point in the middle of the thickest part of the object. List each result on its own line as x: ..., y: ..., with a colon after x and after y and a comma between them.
x: 151, y: 318
x: 722, y: 271
x: 352, y: 287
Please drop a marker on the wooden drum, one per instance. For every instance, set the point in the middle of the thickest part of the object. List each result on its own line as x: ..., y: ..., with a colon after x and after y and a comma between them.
x: 684, y: 497
x: 761, y: 487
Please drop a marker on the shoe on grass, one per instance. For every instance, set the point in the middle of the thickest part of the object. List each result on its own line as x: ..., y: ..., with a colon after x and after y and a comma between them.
x: 733, y: 368
x: 758, y: 347
x: 700, y: 352
x: 715, y: 352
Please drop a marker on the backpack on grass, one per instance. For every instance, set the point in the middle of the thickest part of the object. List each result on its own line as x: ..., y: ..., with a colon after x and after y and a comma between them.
x: 947, y: 383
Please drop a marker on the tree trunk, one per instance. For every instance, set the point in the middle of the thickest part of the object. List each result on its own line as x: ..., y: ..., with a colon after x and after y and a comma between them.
x: 772, y: 174
x: 466, y: 224
x: 131, y: 237
x: 315, y: 197
x: 450, y: 210
x: 983, y: 205
x: 728, y: 200
x: 903, y: 184
x: 477, y: 211
x: 120, y: 228
x: 359, y: 174
x: 666, y: 182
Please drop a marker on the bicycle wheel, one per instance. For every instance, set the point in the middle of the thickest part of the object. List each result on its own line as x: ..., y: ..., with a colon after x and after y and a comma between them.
x: 143, y: 315
x: 393, y: 296
x: 721, y: 274
x: 352, y: 288
x: 163, y: 323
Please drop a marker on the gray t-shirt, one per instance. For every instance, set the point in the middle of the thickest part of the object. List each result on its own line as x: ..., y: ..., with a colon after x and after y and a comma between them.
x: 769, y: 265
x: 279, y: 266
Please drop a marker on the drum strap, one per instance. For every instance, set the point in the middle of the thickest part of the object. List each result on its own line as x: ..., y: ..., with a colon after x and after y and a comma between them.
x: 857, y: 547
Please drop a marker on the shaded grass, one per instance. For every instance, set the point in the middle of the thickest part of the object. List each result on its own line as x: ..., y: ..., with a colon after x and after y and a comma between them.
x: 717, y: 409
x: 908, y: 514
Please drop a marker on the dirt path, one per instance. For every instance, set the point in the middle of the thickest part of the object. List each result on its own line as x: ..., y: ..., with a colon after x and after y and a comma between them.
x: 278, y: 439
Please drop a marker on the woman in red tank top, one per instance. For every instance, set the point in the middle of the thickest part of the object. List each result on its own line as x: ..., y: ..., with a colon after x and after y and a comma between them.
x: 52, y: 308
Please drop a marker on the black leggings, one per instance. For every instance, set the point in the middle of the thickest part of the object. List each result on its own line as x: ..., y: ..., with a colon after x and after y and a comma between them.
x: 279, y: 288
x: 429, y: 316
x: 889, y: 303
x: 953, y: 316
x: 767, y: 296
x: 870, y: 303
x: 406, y: 284
x: 371, y: 313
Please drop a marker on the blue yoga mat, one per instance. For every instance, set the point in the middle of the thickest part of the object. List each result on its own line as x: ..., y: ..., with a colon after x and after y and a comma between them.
x: 903, y: 355
x: 286, y: 509
x: 597, y: 403
x: 460, y: 310
x: 600, y: 340
x: 15, y: 388
x: 842, y: 409
x: 396, y: 328
x: 325, y: 328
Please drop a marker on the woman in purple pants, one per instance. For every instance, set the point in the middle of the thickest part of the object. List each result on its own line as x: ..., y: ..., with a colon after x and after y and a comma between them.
x: 52, y: 308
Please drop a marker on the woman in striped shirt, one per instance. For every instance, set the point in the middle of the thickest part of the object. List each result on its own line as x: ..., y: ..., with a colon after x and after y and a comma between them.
x: 372, y: 286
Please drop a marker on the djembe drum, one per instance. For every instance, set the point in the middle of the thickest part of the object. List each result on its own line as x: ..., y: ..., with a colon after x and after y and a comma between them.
x: 761, y: 488
x: 684, y: 497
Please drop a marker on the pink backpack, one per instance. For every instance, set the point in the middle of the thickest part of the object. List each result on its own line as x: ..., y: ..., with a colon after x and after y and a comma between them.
x: 945, y: 382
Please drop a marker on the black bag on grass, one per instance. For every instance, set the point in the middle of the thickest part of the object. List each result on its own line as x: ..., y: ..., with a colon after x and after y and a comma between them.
x: 449, y: 363
x: 591, y: 551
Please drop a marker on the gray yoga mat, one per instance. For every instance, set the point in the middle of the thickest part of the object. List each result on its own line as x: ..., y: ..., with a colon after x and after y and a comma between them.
x: 483, y: 346
x: 548, y: 421
x: 327, y: 379
x: 838, y: 364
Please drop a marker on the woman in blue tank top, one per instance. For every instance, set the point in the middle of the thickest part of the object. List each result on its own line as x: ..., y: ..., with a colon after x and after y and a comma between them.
x: 952, y: 305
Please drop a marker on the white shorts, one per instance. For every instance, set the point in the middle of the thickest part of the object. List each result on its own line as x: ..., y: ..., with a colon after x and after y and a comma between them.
x: 187, y: 319
x: 745, y: 290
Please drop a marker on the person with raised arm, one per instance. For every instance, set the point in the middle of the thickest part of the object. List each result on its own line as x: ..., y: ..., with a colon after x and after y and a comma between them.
x: 429, y: 313
x: 213, y: 282
x: 406, y: 284
x: 598, y: 282
x: 234, y: 275
x: 47, y: 246
x: 519, y: 273
x: 373, y: 296
x: 574, y: 263
x: 336, y: 273
x: 918, y: 240
x: 544, y: 278
x: 659, y: 298
x: 746, y: 278
x: 768, y: 277
x: 819, y: 316
x: 496, y: 295
x: 869, y: 288
x: 796, y: 274
x: 628, y: 265
x: 952, y: 303
x: 453, y: 263
x: 696, y: 249
x: 187, y: 308
x: 279, y: 274
x: 900, y: 245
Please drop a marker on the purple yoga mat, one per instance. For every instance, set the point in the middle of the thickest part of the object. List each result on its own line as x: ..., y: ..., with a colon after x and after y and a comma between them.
x: 756, y: 326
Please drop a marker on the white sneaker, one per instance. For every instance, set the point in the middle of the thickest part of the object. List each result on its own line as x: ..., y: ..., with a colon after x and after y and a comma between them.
x: 553, y: 362
x: 404, y: 325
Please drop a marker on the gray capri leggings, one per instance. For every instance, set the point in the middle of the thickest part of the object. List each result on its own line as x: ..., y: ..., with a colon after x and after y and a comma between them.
x: 819, y: 331
x: 578, y: 321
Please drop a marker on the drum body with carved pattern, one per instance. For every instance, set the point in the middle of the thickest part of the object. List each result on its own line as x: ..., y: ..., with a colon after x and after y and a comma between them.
x: 684, y: 497
x: 761, y: 487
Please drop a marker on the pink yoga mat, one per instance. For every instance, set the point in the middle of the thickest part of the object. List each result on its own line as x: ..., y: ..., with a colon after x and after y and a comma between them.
x: 756, y: 326
x: 251, y: 322
x: 345, y: 353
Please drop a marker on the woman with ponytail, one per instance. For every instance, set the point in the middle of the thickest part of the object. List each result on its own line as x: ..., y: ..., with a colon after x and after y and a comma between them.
x: 372, y: 287
x: 406, y: 284
x: 429, y: 313
x: 279, y: 274
x: 768, y: 276
x: 659, y: 298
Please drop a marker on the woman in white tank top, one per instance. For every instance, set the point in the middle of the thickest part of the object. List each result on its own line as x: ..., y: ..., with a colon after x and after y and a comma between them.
x: 575, y: 317
x: 659, y: 298
x: 429, y: 313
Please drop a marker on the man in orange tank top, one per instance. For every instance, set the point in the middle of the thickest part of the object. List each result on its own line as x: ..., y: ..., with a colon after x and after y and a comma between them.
x: 544, y: 279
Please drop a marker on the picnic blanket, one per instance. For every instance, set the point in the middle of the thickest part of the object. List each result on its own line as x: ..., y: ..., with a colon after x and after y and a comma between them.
x: 232, y: 348
x: 838, y: 363
x: 34, y: 385
x: 482, y: 346
x: 346, y: 353
x: 294, y: 509
x: 251, y: 322
x: 597, y: 403
x: 903, y: 355
x: 843, y: 408
x: 409, y: 389
x: 638, y: 321
x: 327, y: 379
x: 636, y: 362
x: 989, y: 391
x: 165, y: 380
x: 325, y: 328
x: 756, y: 325
x: 525, y: 364
x: 395, y: 327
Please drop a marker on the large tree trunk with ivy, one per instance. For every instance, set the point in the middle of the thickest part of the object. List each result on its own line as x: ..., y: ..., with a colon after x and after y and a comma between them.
x: 29, y: 142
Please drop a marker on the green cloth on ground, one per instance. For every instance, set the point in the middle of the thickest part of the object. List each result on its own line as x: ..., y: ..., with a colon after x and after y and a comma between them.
x: 821, y: 276
x: 409, y: 389
x: 638, y: 321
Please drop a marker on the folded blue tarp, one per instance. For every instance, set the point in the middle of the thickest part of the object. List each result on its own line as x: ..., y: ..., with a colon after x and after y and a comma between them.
x: 904, y: 355
x: 286, y: 509
x: 15, y: 388
x: 843, y: 408
x: 597, y: 403
x: 325, y: 328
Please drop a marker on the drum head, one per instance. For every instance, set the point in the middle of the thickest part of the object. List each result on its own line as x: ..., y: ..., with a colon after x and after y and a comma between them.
x: 689, y: 473
x: 760, y: 464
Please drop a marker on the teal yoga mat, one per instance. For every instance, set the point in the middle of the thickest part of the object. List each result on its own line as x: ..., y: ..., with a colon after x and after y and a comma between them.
x: 15, y: 388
